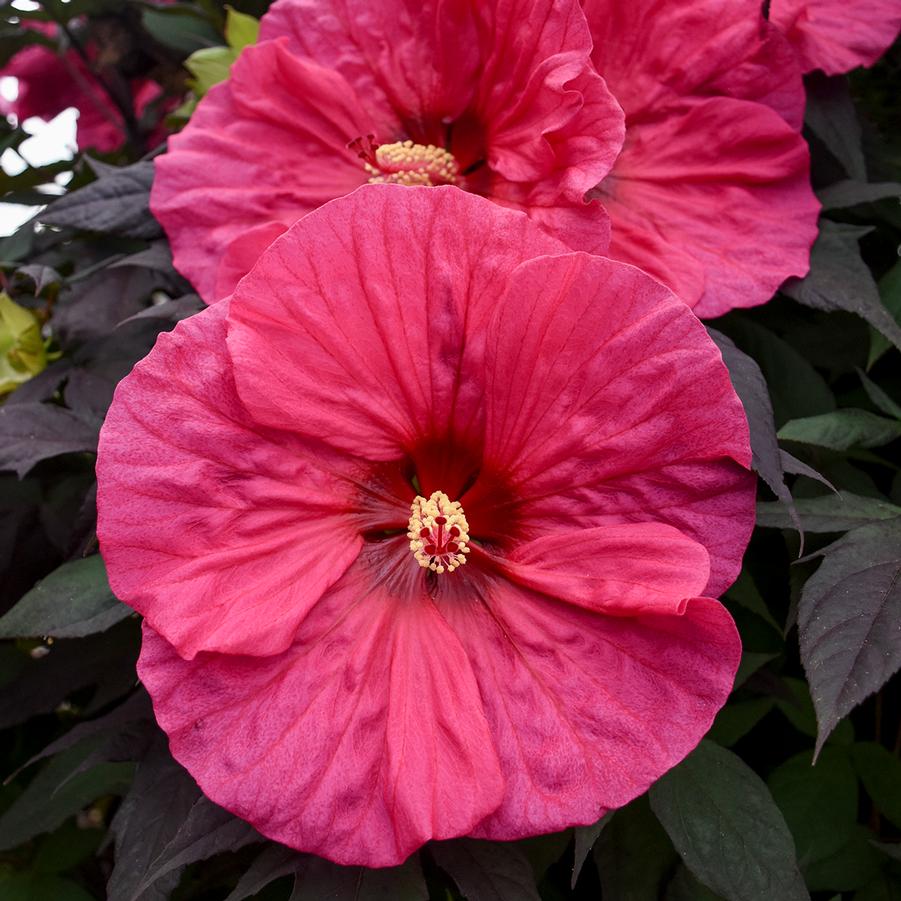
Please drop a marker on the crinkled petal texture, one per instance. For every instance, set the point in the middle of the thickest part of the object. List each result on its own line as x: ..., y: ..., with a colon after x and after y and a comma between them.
x: 711, y: 193
x: 836, y: 36
x: 507, y: 87
x: 221, y: 533
x: 601, y: 412
x: 426, y: 337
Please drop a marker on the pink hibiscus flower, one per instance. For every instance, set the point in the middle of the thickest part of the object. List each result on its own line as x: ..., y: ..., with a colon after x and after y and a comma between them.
x: 50, y: 82
x: 496, y: 97
x: 837, y: 35
x: 290, y: 484
x: 711, y: 193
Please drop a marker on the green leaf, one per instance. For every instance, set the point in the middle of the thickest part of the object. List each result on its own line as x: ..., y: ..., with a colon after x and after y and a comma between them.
x: 36, y: 887
x: 633, y: 854
x: 324, y: 880
x: 819, y: 802
x: 890, y: 293
x: 241, y: 30
x: 52, y: 796
x: 684, y: 887
x: 209, y: 66
x: 73, y: 601
x: 726, y: 827
x: 880, y: 398
x: 800, y: 713
x: 880, y: 773
x: 22, y: 351
x: 828, y: 513
x: 735, y: 720
x: 848, y: 620
x: 842, y: 430
x: 180, y: 27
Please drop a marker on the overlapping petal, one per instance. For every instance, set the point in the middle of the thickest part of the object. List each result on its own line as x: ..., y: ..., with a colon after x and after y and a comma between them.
x: 370, y: 316
x: 262, y: 149
x: 221, y: 533
x: 365, y: 739
x: 626, y: 570
x: 711, y: 193
x: 586, y: 711
x: 506, y: 87
x: 590, y: 405
x: 836, y: 36
x: 317, y: 680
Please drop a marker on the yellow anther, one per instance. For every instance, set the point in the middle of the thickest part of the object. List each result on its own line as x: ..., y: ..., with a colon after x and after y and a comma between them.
x: 438, y: 533
x: 406, y: 163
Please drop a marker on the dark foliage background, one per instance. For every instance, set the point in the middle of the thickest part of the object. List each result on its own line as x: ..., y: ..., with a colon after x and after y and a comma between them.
x: 93, y: 805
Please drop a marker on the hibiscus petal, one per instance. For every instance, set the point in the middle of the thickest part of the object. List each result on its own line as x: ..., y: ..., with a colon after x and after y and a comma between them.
x: 421, y: 56
x: 722, y: 222
x: 605, y: 412
x: 653, y: 53
x: 711, y: 193
x: 364, y: 740
x: 217, y: 184
x: 588, y: 710
x: 838, y: 35
x: 547, y: 113
x: 370, y: 316
x: 222, y: 534
x: 619, y: 570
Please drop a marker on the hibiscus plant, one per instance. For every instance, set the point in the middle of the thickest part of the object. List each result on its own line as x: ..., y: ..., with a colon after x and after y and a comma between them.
x: 449, y: 451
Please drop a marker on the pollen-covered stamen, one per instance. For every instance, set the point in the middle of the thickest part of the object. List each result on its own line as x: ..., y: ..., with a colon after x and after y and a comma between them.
x: 406, y: 163
x: 438, y: 533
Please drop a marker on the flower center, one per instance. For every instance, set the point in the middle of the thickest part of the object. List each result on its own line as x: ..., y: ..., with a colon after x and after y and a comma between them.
x: 406, y: 163
x: 438, y: 532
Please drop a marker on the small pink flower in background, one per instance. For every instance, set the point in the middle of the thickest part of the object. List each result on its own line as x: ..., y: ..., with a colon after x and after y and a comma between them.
x: 836, y: 36
x: 421, y: 521
x: 498, y: 98
x: 711, y: 193
x: 50, y: 83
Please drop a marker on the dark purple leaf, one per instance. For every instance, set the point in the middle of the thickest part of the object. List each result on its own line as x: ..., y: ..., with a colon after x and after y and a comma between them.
x: 840, y: 280
x: 831, y: 116
x: 322, y: 880
x: 848, y: 621
x: 486, y: 871
x: 750, y: 386
x: 207, y: 830
x: 30, y: 433
x: 585, y: 838
x: 274, y: 862
x: 118, y: 202
x: 150, y: 816
x: 850, y: 193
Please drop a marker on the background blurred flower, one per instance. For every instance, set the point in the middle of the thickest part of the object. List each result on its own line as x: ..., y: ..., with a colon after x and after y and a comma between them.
x: 498, y: 98
x: 50, y: 82
x: 280, y: 506
x: 711, y: 193
x: 837, y: 35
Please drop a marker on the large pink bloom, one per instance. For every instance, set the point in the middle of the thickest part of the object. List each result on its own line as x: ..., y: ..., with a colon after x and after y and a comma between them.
x: 711, y: 193
x: 497, y: 97
x: 50, y: 82
x: 265, y: 502
x: 837, y: 35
